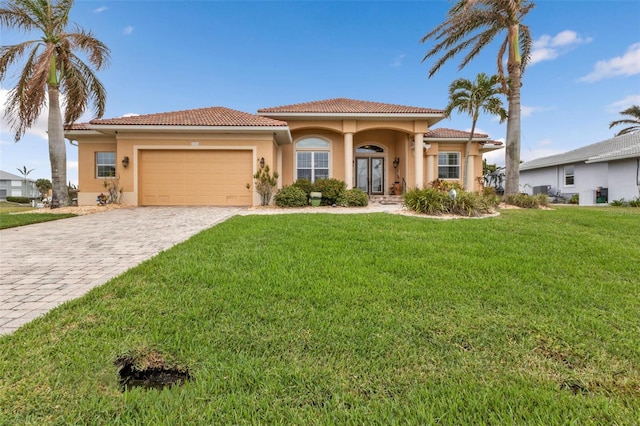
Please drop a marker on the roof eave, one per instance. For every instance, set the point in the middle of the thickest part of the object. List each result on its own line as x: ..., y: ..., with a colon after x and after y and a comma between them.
x: 490, y: 147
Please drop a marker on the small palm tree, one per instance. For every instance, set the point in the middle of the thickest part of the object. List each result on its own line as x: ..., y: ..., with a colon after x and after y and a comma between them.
x: 51, y: 67
x: 25, y: 172
x: 471, y: 26
x: 634, y: 113
x: 472, y: 97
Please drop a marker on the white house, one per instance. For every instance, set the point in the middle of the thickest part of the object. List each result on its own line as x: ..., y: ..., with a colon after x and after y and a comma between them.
x: 16, y: 186
x: 600, y: 173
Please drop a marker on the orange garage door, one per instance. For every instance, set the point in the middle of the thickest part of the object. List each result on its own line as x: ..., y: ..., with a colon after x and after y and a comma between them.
x: 195, y: 178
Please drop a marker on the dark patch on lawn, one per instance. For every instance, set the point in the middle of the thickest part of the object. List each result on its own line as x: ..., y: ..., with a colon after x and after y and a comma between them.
x: 149, y: 371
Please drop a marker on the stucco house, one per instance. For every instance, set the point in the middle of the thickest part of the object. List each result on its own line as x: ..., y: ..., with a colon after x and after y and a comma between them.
x: 208, y: 156
x: 599, y: 173
x: 16, y: 186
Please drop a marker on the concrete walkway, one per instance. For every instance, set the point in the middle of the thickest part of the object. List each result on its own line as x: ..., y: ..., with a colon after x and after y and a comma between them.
x: 46, y: 264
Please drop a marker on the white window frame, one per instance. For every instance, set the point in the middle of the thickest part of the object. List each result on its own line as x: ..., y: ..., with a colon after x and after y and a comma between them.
x: 571, y: 175
x: 458, y: 156
x: 99, y: 164
x: 314, y: 150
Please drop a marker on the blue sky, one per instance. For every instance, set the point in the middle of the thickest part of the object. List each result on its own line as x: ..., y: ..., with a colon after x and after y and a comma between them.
x: 174, y: 55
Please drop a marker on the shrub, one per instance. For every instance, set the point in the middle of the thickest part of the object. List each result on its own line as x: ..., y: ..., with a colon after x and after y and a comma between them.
x: 330, y: 189
x: 305, y: 185
x: 20, y: 200
x: 635, y: 202
x: 445, y: 185
x: 353, y: 198
x: 575, y: 199
x: 615, y: 203
x: 291, y: 196
x: 434, y: 202
x: 265, y: 184
x: 527, y: 201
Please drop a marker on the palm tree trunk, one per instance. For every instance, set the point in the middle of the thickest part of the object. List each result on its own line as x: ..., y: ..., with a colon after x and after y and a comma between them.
x: 512, y: 154
x: 57, y: 149
x: 467, y: 162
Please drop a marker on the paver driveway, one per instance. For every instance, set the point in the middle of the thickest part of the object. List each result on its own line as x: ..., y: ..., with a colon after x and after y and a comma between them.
x: 45, y: 264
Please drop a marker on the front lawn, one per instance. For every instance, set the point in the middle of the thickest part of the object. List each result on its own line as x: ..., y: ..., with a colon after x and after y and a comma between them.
x: 10, y: 220
x: 528, y: 318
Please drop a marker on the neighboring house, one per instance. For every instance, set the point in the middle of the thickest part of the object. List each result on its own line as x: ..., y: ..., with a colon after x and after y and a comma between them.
x: 600, y: 172
x: 208, y: 156
x: 16, y: 186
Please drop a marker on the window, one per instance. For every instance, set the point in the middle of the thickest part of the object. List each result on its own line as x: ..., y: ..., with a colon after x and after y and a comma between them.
x: 449, y: 165
x: 312, y: 159
x: 569, y: 177
x: 105, y: 164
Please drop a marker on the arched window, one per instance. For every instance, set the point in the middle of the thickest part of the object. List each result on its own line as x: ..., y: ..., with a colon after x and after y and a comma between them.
x: 369, y: 149
x: 312, y: 159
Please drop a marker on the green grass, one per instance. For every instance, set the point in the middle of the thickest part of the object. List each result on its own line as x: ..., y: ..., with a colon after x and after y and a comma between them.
x: 9, y: 220
x: 529, y: 318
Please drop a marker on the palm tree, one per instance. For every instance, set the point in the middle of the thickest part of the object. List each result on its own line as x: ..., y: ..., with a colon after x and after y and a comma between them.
x: 25, y: 172
x: 471, y: 26
x: 471, y: 98
x: 634, y: 113
x: 51, y: 67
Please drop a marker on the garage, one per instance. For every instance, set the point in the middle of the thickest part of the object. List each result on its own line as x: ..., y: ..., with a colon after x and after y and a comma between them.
x: 195, y: 177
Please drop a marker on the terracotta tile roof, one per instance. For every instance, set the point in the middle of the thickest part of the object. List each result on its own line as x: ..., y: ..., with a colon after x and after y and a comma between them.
x: 349, y: 106
x: 77, y: 126
x: 213, y: 116
x: 443, y: 133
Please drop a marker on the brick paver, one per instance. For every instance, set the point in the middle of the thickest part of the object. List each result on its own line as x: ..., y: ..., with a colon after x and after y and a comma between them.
x: 46, y: 264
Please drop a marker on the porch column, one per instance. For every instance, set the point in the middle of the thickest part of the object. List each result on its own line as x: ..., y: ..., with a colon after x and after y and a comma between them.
x: 348, y: 160
x: 430, y: 167
x: 417, y: 152
x: 279, y: 165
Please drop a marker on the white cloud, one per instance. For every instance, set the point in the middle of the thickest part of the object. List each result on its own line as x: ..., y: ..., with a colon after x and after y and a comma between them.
x: 100, y: 9
x: 623, y: 104
x: 627, y: 64
x: 545, y: 142
x: 72, y: 165
x: 128, y: 30
x: 527, y: 111
x: 397, y: 61
x: 130, y: 114
x: 547, y: 48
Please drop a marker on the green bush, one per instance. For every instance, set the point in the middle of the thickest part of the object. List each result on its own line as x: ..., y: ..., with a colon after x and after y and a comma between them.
x: 619, y: 203
x: 353, y: 198
x: 527, y: 201
x: 445, y: 185
x: 20, y: 200
x: 635, y: 202
x: 330, y: 189
x: 305, y: 185
x: 438, y: 202
x: 291, y: 196
x: 575, y: 199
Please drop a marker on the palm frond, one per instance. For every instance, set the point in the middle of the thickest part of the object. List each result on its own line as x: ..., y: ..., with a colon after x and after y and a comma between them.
x: 634, y: 121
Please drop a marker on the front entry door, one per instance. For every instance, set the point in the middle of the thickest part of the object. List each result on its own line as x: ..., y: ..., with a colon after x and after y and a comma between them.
x: 370, y: 175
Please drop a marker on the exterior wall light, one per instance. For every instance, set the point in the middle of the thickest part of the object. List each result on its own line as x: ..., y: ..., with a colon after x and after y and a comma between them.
x: 262, y: 162
x: 125, y: 162
x: 396, y: 162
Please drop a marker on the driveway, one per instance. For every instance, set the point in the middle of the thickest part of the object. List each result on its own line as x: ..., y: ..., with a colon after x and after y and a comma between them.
x: 46, y: 264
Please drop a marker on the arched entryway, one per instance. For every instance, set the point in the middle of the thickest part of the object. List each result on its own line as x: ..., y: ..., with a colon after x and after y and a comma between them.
x: 370, y: 169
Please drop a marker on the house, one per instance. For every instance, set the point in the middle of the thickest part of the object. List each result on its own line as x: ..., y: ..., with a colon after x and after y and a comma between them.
x: 208, y: 156
x: 16, y: 186
x: 599, y: 173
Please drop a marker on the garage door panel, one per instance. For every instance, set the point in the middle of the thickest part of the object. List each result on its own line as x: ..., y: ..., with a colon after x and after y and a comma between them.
x: 215, y: 177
